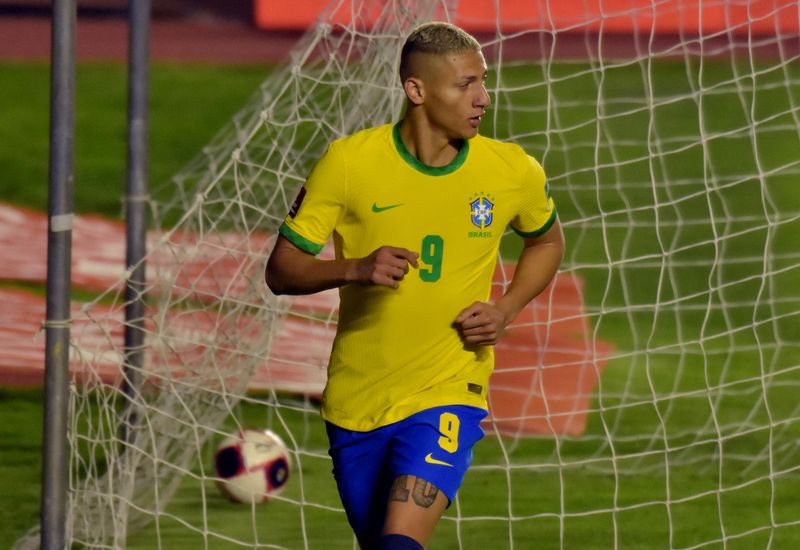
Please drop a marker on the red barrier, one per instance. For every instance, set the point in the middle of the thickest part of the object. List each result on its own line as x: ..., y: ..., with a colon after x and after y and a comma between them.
x: 692, y: 17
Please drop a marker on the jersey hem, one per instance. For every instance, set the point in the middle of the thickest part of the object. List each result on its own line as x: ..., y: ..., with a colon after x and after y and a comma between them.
x: 361, y: 426
x: 299, y: 241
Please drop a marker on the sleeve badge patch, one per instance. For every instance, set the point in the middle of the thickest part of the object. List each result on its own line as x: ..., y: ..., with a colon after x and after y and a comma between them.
x: 297, y: 202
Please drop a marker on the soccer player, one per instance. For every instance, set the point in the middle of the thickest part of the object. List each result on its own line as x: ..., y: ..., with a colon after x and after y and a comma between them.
x: 416, y: 211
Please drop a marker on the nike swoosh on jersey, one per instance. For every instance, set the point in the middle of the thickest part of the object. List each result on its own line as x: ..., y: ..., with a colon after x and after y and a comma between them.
x: 430, y: 460
x: 376, y: 208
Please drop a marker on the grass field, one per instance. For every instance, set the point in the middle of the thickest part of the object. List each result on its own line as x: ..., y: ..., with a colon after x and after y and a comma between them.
x: 692, y: 439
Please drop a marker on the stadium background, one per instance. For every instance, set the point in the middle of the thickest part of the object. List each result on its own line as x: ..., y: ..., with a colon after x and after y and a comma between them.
x: 223, y: 37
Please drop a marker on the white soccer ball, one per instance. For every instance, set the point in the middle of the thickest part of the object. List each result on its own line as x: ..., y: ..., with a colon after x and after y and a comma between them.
x: 251, y: 466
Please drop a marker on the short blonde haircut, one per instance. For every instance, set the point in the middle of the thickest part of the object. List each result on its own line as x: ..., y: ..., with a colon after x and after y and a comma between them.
x: 435, y: 38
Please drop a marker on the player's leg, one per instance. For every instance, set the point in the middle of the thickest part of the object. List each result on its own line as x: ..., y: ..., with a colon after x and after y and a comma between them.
x: 415, y: 507
x: 429, y: 455
x: 362, y: 477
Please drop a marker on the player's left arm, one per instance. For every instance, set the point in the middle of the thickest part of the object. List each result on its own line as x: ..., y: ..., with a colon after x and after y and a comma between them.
x: 485, y: 322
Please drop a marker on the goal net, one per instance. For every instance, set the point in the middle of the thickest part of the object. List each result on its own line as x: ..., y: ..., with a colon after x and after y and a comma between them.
x: 646, y: 399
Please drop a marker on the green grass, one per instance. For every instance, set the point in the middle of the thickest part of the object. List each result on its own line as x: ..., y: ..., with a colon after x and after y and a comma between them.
x: 637, y: 510
x: 717, y: 357
x: 20, y: 466
x: 206, y: 96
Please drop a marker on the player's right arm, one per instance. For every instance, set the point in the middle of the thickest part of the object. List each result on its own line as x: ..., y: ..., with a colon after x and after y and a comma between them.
x: 293, y: 267
x: 291, y: 270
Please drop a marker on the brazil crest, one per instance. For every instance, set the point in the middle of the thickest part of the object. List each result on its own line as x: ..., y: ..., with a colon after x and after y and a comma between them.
x: 482, y: 212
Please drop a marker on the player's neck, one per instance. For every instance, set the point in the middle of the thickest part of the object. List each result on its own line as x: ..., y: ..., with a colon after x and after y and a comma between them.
x: 429, y: 146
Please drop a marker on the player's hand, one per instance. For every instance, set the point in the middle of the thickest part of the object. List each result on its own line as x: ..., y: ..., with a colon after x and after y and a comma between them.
x: 386, y: 266
x: 481, y: 323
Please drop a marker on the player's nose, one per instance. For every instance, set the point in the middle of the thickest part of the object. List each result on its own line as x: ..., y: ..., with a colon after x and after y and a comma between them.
x: 482, y: 100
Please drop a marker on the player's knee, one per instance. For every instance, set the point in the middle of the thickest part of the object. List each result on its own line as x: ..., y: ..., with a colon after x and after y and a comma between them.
x: 398, y: 542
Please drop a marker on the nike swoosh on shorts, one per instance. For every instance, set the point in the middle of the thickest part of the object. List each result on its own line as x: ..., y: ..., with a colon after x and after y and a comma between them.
x: 430, y: 460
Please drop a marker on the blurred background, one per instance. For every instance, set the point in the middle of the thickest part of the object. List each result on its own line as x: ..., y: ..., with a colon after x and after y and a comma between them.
x: 669, y: 131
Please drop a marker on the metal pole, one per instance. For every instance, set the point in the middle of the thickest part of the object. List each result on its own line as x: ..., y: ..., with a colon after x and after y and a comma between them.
x: 136, y: 204
x: 59, y: 258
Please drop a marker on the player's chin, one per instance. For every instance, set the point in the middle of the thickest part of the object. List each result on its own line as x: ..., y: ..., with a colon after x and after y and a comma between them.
x: 463, y: 131
x: 470, y: 131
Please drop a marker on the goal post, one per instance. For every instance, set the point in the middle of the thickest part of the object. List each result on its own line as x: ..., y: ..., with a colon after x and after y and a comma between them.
x: 59, y: 249
x: 646, y: 399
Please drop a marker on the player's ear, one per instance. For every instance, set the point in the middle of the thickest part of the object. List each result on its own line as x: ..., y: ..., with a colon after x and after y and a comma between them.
x: 414, y: 89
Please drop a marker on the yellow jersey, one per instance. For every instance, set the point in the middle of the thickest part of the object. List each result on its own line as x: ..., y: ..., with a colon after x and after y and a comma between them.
x: 397, y: 351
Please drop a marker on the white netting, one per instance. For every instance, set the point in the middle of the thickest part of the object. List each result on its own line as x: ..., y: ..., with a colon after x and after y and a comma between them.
x: 658, y: 374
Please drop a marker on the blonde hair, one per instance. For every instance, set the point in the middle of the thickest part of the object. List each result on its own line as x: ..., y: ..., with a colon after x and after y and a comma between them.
x: 435, y: 38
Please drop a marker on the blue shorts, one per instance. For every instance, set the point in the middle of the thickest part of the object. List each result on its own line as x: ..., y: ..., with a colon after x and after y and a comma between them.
x: 434, y: 444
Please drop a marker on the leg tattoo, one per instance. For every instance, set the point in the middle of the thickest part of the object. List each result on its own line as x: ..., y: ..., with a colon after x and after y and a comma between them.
x: 424, y: 493
x: 399, y: 491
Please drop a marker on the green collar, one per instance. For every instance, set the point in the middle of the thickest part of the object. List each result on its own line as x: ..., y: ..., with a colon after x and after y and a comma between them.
x: 416, y: 164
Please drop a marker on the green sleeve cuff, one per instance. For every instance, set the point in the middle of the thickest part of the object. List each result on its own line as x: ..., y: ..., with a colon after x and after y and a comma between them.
x: 298, y: 240
x: 542, y: 229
